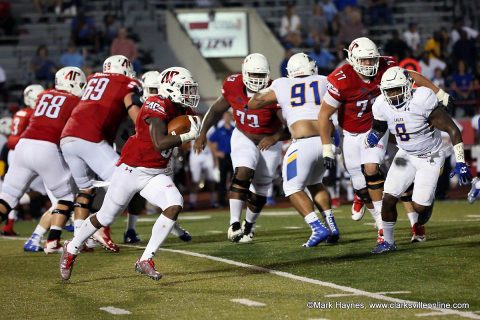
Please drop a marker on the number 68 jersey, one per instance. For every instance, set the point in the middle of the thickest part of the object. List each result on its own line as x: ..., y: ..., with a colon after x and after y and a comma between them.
x: 52, y: 111
x: 409, y: 124
x: 260, y: 121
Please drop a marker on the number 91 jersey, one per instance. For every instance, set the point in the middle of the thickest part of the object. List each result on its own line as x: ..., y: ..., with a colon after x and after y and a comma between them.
x: 260, y: 121
x: 101, y: 109
x: 52, y: 111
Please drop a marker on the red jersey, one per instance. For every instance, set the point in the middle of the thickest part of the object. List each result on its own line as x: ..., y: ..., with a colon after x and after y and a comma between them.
x: 260, y: 121
x: 20, y: 122
x: 353, y: 97
x: 101, y: 109
x: 52, y: 111
x: 139, y: 151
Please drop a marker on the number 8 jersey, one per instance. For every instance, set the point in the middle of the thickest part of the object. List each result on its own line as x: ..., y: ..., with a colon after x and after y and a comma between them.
x: 260, y: 121
x: 52, y: 111
x: 101, y: 109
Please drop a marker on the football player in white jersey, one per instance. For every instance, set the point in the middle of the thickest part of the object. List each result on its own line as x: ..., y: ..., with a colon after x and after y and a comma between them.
x: 415, y: 118
x: 299, y: 96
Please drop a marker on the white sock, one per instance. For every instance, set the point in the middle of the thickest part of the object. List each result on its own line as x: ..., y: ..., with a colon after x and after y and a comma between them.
x: 132, y: 221
x: 326, y: 214
x: 251, y: 216
x: 55, y: 227
x: 311, y: 217
x: 77, y: 223
x: 388, y: 231
x: 413, y: 217
x: 83, y: 233
x: 40, y: 230
x: 193, y: 198
x: 377, y: 215
x: 25, y: 199
x: 236, y: 207
x: 12, y: 215
x: 160, y: 231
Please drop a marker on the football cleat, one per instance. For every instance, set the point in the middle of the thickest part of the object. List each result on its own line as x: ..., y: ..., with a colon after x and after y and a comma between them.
x: 335, y: 203
x: 69, y: 226
x: 33, y: 244
x: 380, y: 238
x: 319, y: 233
x: 418, y: 233
x: 234, y: 232
x: 131, y: 236
x: 147, y: 267
x: 102, y: 236
x: 53, y: 246
x: 474, y: 191
x: 66, y: 262
x: 248, y: 232
x: 185, y: 236
x: 358, y: 208
x: 384, y: 247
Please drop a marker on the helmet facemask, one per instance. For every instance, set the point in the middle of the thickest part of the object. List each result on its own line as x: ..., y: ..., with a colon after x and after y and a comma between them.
x: 398, y: 96
x: 358, y: 64
x: 189, y: 95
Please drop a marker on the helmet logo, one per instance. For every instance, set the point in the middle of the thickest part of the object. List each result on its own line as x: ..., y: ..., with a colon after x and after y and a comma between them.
x: 353, y: 46
x: 71, y: 75
x: 167, y: 77
x: 126, y: 63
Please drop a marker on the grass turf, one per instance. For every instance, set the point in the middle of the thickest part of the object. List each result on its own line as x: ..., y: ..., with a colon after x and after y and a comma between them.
x: 443, y: 269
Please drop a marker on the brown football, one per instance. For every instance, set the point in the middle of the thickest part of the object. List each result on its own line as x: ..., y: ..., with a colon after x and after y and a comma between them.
x: 179, y: 125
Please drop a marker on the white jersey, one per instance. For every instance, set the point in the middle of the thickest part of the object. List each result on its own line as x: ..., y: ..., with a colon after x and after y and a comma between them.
x: 300, y: 98
x: 410, y: 124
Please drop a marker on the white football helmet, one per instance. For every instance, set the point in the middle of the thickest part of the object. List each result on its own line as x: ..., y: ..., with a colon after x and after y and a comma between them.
x: 361, y: 49
x: 150, y: 84
x: 30, y: 95
x: 118, y: 64
x: 178, y: 85
x: 301, y: 64
x: 396, y: 86
x: 255, y: 72
x: 70, y: 79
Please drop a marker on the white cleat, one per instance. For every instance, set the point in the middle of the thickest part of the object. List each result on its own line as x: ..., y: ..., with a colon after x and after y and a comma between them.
x: 358, y: 208
x: 53, y: 246
x: 234, y: 232
x: 247, y: 237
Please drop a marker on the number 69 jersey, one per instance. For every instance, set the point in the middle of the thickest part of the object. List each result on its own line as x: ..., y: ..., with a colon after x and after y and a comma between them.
x: 101, y: 109
x: 52, y: 111
x: 300, y: 98
x: 410, y: 124
x: 260, y: 121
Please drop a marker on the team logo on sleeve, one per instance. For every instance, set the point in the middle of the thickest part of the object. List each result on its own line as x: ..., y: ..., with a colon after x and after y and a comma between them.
x: 155, y: 106
x: 331, y: 88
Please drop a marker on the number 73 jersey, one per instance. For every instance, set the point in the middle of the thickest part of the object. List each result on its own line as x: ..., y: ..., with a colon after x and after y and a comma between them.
x: 409, y: 124
x: 260, y: 121
x: 51, y: 113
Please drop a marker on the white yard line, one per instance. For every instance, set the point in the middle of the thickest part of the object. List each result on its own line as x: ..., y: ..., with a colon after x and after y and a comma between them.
x: 353, y: 294
x: 431, y: 314
x: 116, y: 311
x: 292, y: 228
x: 358, y: 292
x: 214, y: 231
x: 248, y: 302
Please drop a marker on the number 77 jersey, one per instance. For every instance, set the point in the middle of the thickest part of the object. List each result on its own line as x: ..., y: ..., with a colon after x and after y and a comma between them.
x: 354, y: 97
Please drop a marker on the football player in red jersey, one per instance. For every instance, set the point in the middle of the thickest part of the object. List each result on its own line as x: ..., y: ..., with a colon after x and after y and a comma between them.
x: 143, y: 167
x: 352, y: 90
x: 89, y: 133
x: 18, y: 125
x: 256, y: 151
x: 38, y: 152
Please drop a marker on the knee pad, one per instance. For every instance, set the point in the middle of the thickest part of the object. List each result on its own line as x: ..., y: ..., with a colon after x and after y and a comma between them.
x: 256, y: 202
x: 244, y: 184
x: 376, y: 181
x: 66, y: 212
x: 86, y: 196
x: 136, y: 205
x: 363, y: 194
x: 407, y: 195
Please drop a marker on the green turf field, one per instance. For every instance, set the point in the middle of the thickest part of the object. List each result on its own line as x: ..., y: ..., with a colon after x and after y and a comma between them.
x: 275, y: 272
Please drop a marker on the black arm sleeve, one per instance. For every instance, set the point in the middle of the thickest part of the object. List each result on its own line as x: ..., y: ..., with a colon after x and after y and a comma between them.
x: 136, y: 99
x: 380, y: 126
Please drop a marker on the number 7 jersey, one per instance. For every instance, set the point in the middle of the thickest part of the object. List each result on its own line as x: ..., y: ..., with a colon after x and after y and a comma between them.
x: 260, y: 121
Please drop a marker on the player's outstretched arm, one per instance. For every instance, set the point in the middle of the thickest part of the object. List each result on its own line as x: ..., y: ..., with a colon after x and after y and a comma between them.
x: 440, y: 119
x: 421, y: 81
x: 160, y: 138
x: 213, y: 115
x: 326, y: 129
x: 262, y: 98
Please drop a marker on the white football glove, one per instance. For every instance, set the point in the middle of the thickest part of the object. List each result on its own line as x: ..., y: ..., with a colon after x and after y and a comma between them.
x: 443, y: 97
x: 195, y: 124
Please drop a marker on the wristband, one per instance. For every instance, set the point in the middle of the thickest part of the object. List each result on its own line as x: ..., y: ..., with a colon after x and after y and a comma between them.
x: 327, y: 151
x: 459, y: 153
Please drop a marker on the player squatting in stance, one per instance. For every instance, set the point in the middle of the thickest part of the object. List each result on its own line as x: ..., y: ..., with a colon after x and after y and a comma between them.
x: 255, y: 148
x: 38, y: 153
x: 143, y: 167
x: 352, y: 89
x: 299, y: 96
x: 415, y: 118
